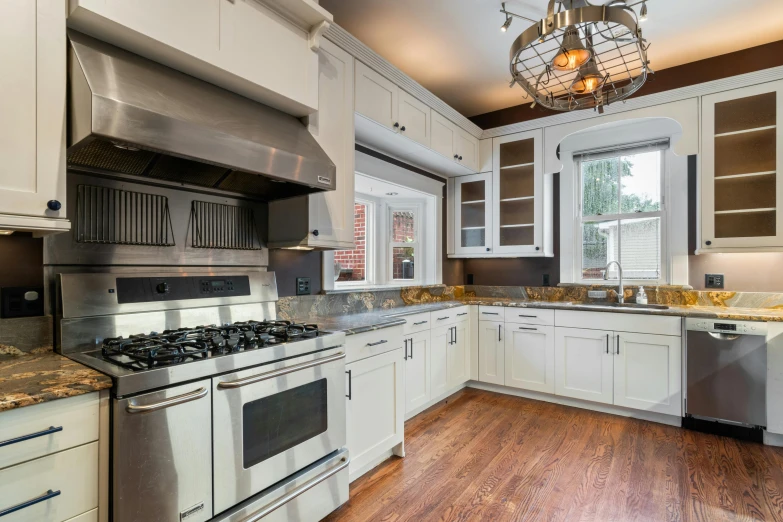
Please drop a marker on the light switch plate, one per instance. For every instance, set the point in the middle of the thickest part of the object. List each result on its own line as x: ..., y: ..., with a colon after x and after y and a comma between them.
x: 302, y: 286
x: 596, y: 294
x: 713, y: 281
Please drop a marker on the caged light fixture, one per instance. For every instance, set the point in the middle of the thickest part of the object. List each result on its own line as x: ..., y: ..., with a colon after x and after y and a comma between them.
x: 581, y: 56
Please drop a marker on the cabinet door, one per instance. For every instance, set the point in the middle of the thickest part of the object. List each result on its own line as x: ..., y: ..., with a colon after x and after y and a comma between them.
x: 332, y: 213
x: 742, y: 165
x: 467, y: 149
x: 32, y: 107
x: 584, y: 364
x: 376, y: 97
x: 530, y: 357
x: 518, y: 194
x: 459, y: 355
x: 491, y: 352
x: 444, y: 136
x: 414, y: 119
x: 472, y: 214
x: 440, y: 343
x: 417, y: 370
x: 375, y: 409
x: 648, y: 372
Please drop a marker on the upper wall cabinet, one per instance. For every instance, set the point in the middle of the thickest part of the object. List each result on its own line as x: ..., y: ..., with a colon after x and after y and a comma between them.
x: 33, y: 109
x: 742, y: 162
x: 262, y: 49
x: 393, y: 121
x: 325, y: 220
x: 508, y: 212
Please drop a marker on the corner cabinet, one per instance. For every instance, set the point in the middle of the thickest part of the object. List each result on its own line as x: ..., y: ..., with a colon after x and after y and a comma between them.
x: 742, y: 162
x: 325, y: 220
x: 508, y: 212
x: 33, y: 106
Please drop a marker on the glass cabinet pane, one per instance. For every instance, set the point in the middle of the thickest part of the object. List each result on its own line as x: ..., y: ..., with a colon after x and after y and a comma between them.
x: 473, y: 214
x: 745, y: 161
x: 516, y: 194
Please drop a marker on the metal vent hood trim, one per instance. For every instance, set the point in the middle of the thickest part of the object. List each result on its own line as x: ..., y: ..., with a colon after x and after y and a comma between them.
x: 124, y: 98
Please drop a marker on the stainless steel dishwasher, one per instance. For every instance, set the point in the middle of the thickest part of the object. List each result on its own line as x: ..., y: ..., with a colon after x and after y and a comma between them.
x: 727, y: 371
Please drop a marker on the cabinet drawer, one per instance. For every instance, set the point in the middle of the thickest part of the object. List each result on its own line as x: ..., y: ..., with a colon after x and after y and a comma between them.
x: 417, y: 323
x: 90, y: 516
x: 449, y: 316
x: 72, y: 473
x: 530, y: 316
x: 627, y: 322
x: 51, y: 427
x: 491, y: 313
x: 367, y: 344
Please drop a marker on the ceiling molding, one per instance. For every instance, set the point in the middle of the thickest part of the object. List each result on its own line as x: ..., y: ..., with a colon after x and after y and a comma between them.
x: 370, y: 58
x: 674, y: 95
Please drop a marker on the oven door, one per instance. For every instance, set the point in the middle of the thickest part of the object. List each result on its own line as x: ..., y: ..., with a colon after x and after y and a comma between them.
x: 271, y: 421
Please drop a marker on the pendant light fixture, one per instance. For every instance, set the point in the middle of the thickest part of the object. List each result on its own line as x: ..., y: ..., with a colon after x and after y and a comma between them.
x: 581, y: 55
x: 572, y: 54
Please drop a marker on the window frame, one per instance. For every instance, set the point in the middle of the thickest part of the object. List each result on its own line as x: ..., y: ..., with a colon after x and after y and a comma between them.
x: 369, y: 246
x: 580, y: 220
x: 419, y: 255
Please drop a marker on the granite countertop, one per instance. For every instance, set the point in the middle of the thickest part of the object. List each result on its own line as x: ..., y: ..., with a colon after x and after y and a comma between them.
x: 388, y: 317
x: 44, y: 376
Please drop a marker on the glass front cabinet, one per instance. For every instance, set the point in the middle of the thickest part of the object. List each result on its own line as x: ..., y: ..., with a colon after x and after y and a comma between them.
x: 741, y: 187
x: 506, y: 212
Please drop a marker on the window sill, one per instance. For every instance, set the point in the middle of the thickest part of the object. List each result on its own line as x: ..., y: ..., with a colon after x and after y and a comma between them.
x: 347, y: 288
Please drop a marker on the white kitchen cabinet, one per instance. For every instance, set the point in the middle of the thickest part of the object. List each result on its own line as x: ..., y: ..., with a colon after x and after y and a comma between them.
x: 459, y: 355
x: 473, y: 214
x: 518, y: 216
x: 467, y: 149
x: 377, y: 97
x: 417, y: 370
x: 33, y: 108
x: 325, y: 220
x: 492, y: 352
x: 742, y: 170
x: 584, y: 364
x: 454, y: 142
x: 648, y: 372
x: 414, y: 119
x: 440, y: 342
x: 246, y: 46
x: 374, y: 409
x: 485, y: 155
x: 530, y: 357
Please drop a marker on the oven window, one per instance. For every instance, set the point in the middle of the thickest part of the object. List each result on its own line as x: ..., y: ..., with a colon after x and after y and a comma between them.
x: 279, y: 422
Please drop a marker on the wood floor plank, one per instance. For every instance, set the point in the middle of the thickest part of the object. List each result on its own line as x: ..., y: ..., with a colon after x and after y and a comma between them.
x: 484, y: 456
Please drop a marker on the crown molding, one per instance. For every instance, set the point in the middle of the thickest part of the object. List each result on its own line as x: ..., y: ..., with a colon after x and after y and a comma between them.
x: 651, y: 100
x: 370, y: 58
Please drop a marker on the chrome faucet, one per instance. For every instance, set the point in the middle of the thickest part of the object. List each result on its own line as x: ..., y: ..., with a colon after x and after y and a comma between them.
x: 620, y: 290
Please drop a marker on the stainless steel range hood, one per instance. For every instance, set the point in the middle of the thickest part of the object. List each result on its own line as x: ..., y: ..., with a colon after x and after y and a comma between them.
x: 130, y: 115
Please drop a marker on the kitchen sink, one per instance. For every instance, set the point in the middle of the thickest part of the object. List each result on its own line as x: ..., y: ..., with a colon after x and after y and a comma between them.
x: 632, y: 305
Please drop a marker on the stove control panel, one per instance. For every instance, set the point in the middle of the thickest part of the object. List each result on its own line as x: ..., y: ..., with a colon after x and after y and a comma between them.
x: 149, y: 289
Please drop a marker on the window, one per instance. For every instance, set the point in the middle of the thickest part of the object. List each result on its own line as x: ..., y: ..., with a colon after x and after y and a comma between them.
x: 352, y: 266
x: 404, y: 243
x: 621, y: 214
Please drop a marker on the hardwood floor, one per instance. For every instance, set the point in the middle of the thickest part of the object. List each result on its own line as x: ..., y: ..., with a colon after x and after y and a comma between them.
x: 485, y: 456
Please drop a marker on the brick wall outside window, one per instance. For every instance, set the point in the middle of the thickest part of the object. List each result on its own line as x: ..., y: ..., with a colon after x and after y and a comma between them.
x: 354, y: 262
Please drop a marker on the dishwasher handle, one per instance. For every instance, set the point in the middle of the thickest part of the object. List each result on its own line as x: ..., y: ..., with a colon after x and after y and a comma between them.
x: 724, y: 336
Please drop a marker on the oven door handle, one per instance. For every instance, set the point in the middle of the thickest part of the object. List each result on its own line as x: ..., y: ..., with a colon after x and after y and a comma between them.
x: 277, y: 373
x: 172, y: 401
x: 285, y: 499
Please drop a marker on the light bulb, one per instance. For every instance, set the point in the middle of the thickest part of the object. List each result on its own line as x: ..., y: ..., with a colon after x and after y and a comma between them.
x: 572, y: 54
x: 506, y: 24
x: 643, y: 12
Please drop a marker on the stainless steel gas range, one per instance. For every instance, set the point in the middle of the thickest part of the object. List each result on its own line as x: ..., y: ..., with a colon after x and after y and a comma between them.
x: 219, y: 412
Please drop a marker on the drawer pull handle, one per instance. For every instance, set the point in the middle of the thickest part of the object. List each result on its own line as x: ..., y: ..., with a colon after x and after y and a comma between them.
x: 382, y: 341
x: 35, y: 435
x: 490, y: 313
x: 525, y: 328
x: 443, y: 318
x: 463, y: 313
x: 533, y: 316
x: 419, y: 323
x: 43, y: 498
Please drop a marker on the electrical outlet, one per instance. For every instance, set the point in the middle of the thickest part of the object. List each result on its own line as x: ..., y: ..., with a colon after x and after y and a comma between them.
x: 302, y: 286
x: 713, y: 280
x: 546, y: 280
x: 469, y: 279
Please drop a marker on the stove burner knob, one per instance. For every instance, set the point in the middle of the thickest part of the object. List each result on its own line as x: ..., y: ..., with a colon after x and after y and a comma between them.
x: 162, y: 288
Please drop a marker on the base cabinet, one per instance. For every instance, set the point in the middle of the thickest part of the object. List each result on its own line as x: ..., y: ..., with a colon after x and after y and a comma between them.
x: 492, y: 353
x: 530, y: 357
x: 417, y: 370
x: 585, y: 364
x: 374, y: 408
x: 440, y: 339
x: 459, y: 356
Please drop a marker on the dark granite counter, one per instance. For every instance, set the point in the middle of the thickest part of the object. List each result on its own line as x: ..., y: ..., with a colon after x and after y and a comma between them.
x: 33, y: 378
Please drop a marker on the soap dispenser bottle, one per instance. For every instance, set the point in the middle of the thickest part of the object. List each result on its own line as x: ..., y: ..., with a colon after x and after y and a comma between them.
x: 641, y: 296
